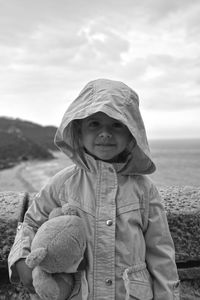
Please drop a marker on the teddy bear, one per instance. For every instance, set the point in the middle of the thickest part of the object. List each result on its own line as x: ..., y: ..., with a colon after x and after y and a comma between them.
x: 56, y: 252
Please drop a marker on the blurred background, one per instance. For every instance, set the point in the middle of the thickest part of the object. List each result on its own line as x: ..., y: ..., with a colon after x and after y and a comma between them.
x: 50, y: 49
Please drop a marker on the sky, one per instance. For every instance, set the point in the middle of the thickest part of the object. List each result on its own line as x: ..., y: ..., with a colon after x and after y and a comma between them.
x: 49, y: 49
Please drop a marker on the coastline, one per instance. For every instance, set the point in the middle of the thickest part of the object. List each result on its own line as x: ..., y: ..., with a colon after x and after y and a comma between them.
x: 30, y: 176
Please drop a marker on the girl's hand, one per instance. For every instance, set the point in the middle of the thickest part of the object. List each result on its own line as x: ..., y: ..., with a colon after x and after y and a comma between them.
x: 25, y: 275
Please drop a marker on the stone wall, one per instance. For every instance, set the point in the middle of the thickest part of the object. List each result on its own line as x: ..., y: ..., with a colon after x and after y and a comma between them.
x: 183, y: 211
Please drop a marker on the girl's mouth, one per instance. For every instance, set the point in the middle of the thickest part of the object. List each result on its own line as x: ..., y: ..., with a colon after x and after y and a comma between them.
x: 105, y: 145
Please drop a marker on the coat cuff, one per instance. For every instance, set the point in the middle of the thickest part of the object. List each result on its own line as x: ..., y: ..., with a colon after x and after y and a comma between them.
x: 19, y: 250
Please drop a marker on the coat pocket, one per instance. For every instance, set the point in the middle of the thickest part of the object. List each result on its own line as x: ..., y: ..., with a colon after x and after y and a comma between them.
x: 138, y: 283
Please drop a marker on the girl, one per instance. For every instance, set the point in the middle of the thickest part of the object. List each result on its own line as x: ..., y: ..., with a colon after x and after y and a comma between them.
x: 130, y: 252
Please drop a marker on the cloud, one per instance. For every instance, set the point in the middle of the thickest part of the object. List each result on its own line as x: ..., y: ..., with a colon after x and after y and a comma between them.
x: 105, y: 41
x: 49, y: 50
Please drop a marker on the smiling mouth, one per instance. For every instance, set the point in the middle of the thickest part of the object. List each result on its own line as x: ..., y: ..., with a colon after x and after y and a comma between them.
x: 105, y: 145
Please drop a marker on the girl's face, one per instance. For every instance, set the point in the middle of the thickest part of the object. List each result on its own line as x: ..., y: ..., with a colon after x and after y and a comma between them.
x: 104, y: 137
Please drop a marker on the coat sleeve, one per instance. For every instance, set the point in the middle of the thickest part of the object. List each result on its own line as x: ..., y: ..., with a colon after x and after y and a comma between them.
x: 160, y: 253
x: 36, y: 215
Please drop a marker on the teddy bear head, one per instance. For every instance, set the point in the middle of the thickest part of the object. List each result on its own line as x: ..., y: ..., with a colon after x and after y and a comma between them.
x: 60, y: 243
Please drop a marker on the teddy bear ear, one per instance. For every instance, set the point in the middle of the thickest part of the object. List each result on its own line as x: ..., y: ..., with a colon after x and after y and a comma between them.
x: 68, y: 209
x: 36, y: 257
x: 56, y: 212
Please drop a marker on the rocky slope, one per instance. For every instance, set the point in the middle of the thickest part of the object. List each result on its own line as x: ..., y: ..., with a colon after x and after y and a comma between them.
x: 23, y: 140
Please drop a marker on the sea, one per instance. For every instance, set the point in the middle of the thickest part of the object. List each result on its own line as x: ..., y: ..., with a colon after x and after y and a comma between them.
x: 177, y: 162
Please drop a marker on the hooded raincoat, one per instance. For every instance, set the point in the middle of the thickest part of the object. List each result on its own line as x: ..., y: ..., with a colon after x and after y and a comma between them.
x: 130, y: 252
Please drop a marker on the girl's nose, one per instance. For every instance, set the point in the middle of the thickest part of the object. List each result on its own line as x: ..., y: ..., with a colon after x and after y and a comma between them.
x: 105, y: 134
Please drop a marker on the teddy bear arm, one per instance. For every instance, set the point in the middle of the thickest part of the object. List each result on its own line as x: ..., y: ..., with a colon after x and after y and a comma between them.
x: 35, y: 257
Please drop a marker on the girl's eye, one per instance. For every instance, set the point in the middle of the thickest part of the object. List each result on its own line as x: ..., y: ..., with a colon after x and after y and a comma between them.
x: 117, y: 125
x: 93, y: 124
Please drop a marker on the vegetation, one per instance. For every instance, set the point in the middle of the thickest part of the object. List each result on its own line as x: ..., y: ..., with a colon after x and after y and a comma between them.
x: 23, y: 140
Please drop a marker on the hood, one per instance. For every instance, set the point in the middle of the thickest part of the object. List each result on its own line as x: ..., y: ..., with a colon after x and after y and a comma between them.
x: 118, y: 101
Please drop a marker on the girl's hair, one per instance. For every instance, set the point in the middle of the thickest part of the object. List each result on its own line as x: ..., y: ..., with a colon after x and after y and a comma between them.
x: 75, y: 136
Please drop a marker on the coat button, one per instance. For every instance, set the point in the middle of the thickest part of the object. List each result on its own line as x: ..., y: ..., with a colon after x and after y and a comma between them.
x: 109, y: 222
x: 110, y: 170
x: 108, y: 281
x: 19, y: 226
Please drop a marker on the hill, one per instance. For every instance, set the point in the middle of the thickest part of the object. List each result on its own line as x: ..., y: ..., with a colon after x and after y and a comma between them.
x: 24, y: 140
x: 42, y: 135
